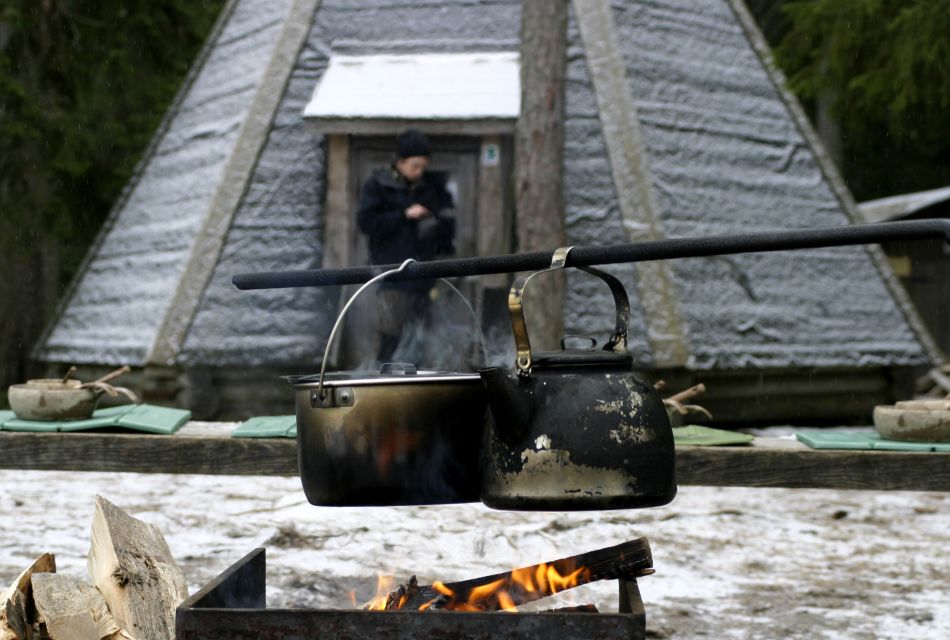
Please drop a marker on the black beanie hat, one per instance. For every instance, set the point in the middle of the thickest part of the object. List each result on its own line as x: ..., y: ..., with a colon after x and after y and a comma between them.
x: 411, y: 143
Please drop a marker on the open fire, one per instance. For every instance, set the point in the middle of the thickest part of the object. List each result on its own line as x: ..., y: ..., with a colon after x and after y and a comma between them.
x: 233, y: 605
x: 507, y: 591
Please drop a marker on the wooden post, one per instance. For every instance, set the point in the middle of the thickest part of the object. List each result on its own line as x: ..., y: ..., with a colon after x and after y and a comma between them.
x: 539, y: 157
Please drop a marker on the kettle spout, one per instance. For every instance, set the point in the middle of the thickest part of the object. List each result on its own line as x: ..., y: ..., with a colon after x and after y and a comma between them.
x: 509, y: 401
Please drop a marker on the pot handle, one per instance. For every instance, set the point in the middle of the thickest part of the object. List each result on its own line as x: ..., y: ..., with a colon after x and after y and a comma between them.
x: 617, y: 342
x: 374, y: 280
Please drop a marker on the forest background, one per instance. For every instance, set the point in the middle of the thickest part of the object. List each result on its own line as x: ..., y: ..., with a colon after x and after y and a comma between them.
x: 84, y: 85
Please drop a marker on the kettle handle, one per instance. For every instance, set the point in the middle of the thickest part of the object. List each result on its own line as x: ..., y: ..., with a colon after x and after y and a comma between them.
x: 617, y: 342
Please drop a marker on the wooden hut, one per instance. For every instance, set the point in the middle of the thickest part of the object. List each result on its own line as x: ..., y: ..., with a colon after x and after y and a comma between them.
x: 677, y: 124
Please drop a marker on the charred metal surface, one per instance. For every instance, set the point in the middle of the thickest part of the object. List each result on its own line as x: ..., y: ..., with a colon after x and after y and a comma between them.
x: 243, y: 585
x: 574, y: 438
x: 630, y: 600
x: 575, y: 429
x: 274, y: 624
x: 208, y: 615
x: 390, y: 444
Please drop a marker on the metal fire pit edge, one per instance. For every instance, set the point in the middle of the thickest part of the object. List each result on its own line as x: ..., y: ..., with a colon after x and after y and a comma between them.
x: 233, y: 607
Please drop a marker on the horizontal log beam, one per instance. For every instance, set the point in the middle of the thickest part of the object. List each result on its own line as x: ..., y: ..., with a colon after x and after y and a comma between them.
x: 767, y: 462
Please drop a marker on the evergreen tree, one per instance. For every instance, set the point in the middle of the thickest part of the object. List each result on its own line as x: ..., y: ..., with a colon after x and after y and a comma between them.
x: 887, y: 65
x: 83, y: 86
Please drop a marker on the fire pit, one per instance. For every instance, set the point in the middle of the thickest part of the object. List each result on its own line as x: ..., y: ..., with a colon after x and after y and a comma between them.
x: 233, y: 605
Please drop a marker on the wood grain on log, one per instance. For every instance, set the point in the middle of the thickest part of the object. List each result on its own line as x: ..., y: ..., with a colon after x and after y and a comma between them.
x: 63, y: 607
x: 130, y: 563
x: 539, y: 158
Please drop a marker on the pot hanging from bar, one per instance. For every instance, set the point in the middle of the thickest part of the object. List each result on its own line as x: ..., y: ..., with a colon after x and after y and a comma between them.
x: 396, y: 437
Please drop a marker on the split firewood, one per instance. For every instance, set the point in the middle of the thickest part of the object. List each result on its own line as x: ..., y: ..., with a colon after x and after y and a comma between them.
x: 17, y: 613
x: 521, y: 586
x: 73, y: 610
x: 63, y: 608
x: 105, y: 622
x: 133, y: 568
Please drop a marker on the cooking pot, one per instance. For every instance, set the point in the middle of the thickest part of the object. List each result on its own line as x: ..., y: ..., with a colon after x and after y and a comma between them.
x: 393, y: 437
x: 62, y: 398
x: 578, y: 428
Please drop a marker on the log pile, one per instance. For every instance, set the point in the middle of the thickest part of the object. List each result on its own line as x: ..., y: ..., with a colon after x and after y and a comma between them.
x: 134, y: 587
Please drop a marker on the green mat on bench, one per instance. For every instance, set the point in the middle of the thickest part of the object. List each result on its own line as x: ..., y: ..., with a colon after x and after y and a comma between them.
x: 864, y: 440
x: 696, y: 435
x: 138, y: 417
x: 267, y: 427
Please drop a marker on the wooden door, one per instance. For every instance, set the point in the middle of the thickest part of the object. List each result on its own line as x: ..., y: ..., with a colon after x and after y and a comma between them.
x: 457, y: 158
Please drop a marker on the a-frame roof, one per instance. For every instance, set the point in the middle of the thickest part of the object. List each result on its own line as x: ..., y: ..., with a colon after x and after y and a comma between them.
x: 677, y: 125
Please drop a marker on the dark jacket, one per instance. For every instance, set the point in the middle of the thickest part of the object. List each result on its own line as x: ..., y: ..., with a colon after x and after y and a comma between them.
x: 382, y: 217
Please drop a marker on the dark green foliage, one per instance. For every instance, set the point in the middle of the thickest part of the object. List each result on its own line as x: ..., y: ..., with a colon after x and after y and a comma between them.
x: 83, y: 86
x: 886, y: 65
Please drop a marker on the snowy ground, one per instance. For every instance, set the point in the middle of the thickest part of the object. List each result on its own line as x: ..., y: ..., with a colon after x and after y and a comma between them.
x: 740, y: 563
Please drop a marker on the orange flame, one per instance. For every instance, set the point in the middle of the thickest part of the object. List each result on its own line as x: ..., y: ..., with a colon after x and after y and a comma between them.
x: 383, y: 586
x: 521, y: 585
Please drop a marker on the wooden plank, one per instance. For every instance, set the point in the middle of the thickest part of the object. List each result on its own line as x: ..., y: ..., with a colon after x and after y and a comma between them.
x: 629, y: 165
x: 494, y: 219
x: 181, y: 453
x: 782, y: 463
x: 392, y: 126
x: 337, y: 224
x: 206, y: 448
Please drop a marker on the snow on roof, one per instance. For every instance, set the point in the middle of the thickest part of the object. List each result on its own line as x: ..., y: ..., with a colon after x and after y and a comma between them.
x: 723, y: 150
x: 894, y: 207
x: 427, y: 86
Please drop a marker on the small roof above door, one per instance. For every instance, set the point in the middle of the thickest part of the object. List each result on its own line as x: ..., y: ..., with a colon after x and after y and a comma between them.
x: 457, y: 93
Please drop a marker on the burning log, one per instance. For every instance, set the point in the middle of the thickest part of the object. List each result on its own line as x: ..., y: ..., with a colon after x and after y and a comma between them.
x: 508, y: 590
x: 581, y: 608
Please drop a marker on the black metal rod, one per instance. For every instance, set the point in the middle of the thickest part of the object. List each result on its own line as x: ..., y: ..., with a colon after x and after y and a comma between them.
x: 612, y: 254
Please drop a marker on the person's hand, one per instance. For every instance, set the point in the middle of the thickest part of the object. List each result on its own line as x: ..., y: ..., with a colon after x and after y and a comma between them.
x: 417, y: 211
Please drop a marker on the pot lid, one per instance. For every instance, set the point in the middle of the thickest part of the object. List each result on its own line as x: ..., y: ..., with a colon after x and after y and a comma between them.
x: 390, y: 373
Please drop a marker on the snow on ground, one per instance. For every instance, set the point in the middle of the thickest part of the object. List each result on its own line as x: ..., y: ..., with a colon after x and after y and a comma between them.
x: 730, y: 562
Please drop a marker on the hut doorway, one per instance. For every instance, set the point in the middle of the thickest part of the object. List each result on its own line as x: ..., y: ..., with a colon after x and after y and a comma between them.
x: 476, y: 171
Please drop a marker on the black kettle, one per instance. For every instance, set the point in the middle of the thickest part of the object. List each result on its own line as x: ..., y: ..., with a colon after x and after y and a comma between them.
x: 575, y: 429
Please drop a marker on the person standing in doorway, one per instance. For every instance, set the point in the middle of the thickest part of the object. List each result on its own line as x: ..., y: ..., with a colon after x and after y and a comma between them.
x: 405, y: 212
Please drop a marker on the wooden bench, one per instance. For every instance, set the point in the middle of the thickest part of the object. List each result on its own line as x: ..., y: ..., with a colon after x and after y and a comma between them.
x: 207, y: 448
